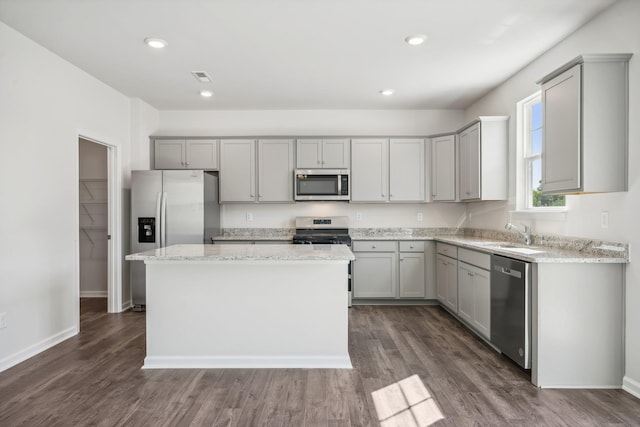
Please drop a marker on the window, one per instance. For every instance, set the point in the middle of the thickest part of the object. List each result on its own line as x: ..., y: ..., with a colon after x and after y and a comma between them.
x: 530, y: 115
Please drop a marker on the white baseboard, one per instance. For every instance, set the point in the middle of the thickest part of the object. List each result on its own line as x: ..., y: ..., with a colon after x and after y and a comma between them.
x: 180, y: 362
x: 126, y: 305
x: 93, y: 294
x: 39, y: 347
x: 631, y: 386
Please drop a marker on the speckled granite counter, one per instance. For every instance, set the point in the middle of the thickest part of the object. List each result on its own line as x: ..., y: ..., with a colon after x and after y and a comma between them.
x: 245, y: 253
x: 255, y: 234
x: 546, y: 248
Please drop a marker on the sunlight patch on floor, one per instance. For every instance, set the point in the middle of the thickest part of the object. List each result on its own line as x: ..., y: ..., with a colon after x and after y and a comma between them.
x: 406, y: 403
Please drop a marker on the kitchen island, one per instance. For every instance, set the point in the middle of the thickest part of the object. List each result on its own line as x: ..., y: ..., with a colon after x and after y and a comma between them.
x: 247, y: 306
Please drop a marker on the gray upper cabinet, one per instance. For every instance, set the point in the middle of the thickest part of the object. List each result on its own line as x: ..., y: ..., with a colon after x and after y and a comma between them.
x: 186, y: 154
x: 256, y: 171
x: 238, y: 170
x: 406, y: 170
x: 483, y: 162
x: 443, y: 168
x: 370, y: 170
x: 330, y: 153
x: 275, y: 170
x: 384, y: 170
x: 585, y: 125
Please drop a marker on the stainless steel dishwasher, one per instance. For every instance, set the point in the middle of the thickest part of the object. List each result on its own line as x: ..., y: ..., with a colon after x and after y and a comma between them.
x: 511, y: 308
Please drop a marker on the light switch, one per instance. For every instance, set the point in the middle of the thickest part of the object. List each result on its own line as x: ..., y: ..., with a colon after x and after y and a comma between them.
x: 604, y: 220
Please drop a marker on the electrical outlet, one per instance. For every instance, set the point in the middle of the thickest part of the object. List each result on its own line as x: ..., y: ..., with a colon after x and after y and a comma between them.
x: 249, y: 216
x: 420, y: 216
x: 3, y: 320
x: 604, y: 220
x: 358, y: 216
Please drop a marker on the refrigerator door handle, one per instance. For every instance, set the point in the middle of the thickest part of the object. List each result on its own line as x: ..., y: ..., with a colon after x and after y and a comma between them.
x: 163, y: 220
x: 158, y: 225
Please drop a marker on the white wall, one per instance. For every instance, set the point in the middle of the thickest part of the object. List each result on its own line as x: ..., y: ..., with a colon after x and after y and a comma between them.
x: 327, y: 123
x: 308, y: 122
x: 614, y: 31
x: 44, y: 102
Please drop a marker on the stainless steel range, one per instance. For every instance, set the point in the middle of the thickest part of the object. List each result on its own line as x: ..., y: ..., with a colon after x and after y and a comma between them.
x: 324, y: 231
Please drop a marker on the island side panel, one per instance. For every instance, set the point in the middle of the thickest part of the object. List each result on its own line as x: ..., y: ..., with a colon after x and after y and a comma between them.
x: 578, y: 331
x: 247, y: 314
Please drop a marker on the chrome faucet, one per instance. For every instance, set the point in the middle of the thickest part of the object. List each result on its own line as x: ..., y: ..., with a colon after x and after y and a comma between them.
x: 526, y: 233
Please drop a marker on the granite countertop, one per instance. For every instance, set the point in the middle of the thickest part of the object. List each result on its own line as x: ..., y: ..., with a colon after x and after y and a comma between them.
x: 545, y: 249
x: 538, y: 254
x: 242, y: 252
x: 252, y: 234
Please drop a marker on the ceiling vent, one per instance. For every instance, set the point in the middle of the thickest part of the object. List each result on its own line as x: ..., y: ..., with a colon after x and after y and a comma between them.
x: 202, y: 76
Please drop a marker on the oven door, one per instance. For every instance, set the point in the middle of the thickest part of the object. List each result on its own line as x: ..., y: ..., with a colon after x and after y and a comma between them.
x: 321, y: 184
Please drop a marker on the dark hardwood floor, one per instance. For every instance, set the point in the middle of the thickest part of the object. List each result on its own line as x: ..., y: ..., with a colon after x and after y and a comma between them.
x: 454, y: 380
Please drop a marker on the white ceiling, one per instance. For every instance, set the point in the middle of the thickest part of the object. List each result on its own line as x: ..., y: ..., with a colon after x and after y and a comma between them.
x: 300, y: 54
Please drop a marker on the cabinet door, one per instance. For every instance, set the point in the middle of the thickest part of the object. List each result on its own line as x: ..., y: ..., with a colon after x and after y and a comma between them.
x: 370, y: 170
x: 443, y: 167
x: 406, y: 170
x: 441, y: 279
x: 465, y: 292
x: 335, y: 153
x: 202, y: 154
x: 374, y: 275
x: 470, y: 163
x: 237, y: 170
x: 482, y: 301
x: 412, y: 280
x: 169, y: 154
x: 309, y: 153
x: 561, y: 145
x: 275, y: 170
x: 447, y: 281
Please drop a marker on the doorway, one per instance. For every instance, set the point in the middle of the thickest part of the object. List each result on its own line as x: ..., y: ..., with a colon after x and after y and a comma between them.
x: 93, y: 213
x: 99, y: 251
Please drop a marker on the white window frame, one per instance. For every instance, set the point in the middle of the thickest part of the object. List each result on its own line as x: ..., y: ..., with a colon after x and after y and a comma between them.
x: 524, y: 161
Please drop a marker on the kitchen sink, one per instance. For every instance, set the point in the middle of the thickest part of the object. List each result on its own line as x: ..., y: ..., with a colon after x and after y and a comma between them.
x: 511, y: 247
x: 519, y: 249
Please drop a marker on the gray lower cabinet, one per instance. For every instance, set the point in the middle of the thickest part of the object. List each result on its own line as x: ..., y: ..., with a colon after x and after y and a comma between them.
x: 474, y: 290
x: 412, y: 270
x: 393, y: 270
x: 447, y: 276
x: 375, y: 269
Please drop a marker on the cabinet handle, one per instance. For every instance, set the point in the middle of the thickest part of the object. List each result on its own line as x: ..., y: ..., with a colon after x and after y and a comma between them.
x: 319, y: 162
x: 186, y: 164
x: 373, y: 246
x: 411, y: 246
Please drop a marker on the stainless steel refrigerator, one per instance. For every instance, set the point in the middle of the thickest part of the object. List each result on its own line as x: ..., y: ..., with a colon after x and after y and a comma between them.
x: 170, y: 207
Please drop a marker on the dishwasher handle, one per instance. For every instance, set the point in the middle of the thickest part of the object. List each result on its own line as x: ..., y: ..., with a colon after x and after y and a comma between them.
x: 506, y: 270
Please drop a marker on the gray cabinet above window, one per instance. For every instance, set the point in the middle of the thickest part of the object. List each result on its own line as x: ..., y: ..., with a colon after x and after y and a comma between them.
x: 585, y: 125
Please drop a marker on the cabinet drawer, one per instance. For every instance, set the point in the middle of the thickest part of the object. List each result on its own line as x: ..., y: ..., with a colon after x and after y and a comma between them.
x: 478, y: 259
x: 411, y: 246
x: 374, y: 246
x: 448, y: 250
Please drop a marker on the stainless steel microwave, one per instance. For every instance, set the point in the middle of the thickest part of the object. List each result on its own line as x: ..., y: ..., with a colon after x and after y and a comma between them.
x: 321, y: 184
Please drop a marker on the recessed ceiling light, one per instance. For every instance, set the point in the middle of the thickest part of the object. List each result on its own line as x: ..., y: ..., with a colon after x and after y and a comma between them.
x: 206, y: 93
x: 387, y: 92
x: 415, y: 39
x: 155, y: 43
